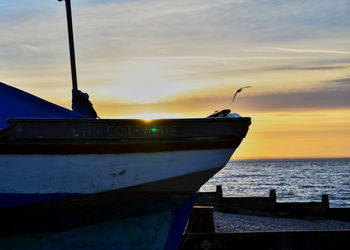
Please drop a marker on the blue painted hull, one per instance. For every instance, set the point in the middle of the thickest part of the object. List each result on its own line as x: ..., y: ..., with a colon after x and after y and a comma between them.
x: 10, y: 200
x: 134, y: 218
x: 178, y: 224
x: 144, y: 232
x: 162, y: 230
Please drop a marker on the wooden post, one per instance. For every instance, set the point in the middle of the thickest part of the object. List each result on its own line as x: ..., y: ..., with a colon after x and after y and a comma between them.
x: 325, y: 201
x: 218, y: 200
x: 201, y: 220
x: 273, y: 200
x: 219, y: 191
x: 272, y: 195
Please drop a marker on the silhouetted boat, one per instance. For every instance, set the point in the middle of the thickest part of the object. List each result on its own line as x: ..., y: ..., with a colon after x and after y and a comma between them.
x: 72, y: 174
x: 68, y: 180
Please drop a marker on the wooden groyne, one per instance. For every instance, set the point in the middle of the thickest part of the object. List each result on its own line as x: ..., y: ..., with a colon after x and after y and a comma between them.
x: 200, y: 232
x: 268, y: 206
x: 297, y: 240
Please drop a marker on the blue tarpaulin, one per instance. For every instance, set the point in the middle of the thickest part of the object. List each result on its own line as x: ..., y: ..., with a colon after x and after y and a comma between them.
x: 15, y: 103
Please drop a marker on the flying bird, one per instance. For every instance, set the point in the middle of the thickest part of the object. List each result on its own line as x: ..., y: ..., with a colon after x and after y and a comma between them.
x: 239, y: 90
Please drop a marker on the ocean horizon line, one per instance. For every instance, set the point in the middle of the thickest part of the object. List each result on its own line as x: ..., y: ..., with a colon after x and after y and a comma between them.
x: 288, y: 158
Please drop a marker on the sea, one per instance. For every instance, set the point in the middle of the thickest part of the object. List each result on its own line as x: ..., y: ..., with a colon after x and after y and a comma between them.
x: 295, y: 180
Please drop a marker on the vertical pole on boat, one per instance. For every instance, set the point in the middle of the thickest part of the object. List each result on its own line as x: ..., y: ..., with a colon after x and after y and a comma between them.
x: 71, y: 44
x: 80, y: 100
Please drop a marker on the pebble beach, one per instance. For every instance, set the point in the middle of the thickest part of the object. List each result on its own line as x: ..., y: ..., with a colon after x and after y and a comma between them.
x: 245, y: 223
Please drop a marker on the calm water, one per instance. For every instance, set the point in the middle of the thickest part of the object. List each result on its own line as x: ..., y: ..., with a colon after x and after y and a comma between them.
x: 294, y: 180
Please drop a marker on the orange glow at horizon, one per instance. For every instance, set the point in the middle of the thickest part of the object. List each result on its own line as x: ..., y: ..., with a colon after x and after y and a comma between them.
x: 319, y: 134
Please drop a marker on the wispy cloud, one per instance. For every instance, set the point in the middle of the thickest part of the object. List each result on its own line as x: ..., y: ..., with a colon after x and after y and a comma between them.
x: 32, y: 48
x: 313, y: 51
x: 321, y: 98
x: 307, y: 68
x: 308, y: 100
x: 338, y: 82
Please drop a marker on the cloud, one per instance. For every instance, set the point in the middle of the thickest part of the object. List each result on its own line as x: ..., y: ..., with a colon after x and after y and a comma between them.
x: 307, y: 100
x: 341, y: 81
x: 307, y: 68
x: 32, y: 48
x: 303, y: 100
x: 112, y: 30
x: 313, y: 51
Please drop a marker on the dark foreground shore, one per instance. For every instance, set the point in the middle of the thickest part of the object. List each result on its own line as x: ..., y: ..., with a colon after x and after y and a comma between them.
x: 248, y: 223
x: 208, y: 229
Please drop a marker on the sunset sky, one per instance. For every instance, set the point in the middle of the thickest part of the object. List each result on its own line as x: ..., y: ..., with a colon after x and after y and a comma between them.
x: 186, y: 58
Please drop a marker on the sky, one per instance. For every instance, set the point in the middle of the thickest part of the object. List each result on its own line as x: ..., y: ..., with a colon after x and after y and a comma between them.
x: 186, y: 58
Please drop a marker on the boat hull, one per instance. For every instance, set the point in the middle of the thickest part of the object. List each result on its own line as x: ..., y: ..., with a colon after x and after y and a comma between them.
x: 37, y: 178
x: 156, y: 211
x: 63, y: 179
x: 148, y: 198
x: 139, y: 232
x: 157, y: 230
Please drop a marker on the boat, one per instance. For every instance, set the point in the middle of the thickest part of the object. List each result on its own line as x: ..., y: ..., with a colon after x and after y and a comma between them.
x: 74, y: 181
x: 70, y: 180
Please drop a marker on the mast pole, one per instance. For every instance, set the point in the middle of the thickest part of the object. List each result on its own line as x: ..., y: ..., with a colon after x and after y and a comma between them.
x: 71, y: 44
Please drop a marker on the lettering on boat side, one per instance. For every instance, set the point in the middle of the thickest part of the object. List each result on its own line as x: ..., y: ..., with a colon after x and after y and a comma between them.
x: 111, y: 131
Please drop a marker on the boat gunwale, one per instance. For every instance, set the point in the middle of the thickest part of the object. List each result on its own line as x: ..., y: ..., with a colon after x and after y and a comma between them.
x: 90, y: 120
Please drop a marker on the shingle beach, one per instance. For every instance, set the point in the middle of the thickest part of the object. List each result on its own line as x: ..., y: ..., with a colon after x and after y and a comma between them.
x: 246, y: 223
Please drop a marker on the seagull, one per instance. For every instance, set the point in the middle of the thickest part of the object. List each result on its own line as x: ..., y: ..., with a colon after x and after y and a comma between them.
x: 239, y: 90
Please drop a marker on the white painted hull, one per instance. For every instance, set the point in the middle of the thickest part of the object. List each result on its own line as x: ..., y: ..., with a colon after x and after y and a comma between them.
x: 93, y: 173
